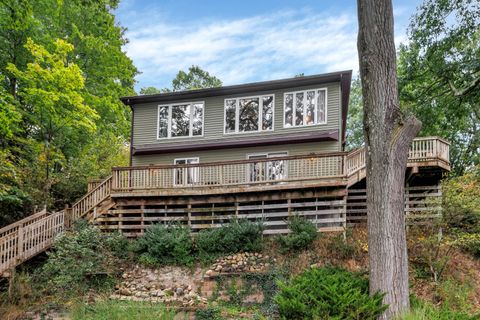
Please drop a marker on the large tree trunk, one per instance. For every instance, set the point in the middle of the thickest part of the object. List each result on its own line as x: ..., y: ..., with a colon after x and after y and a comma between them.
x: 388, y: 135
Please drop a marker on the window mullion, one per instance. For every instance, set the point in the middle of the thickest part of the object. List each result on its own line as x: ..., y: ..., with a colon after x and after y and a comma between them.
x: 305, y: 108
x: 237, y: 115
x: 169, y: 124
x: 315, y: 108
x: 260, y: 113
x: 190, y: 131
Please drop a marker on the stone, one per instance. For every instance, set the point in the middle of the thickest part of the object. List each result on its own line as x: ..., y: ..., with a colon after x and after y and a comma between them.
x: 179, y: 291
x: 124, y: 292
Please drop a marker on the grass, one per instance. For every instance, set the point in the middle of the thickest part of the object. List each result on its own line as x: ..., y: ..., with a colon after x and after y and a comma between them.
x: 118, y: 310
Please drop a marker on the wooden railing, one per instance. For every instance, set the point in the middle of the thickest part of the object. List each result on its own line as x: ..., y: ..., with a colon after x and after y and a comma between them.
x: 429, y: 148
x: 92, y: 199
x: 262, y: 171
x: 27, y: 237
x: 243, y: 172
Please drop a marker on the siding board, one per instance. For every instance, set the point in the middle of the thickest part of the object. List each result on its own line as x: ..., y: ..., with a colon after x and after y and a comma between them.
x: 145, y: 126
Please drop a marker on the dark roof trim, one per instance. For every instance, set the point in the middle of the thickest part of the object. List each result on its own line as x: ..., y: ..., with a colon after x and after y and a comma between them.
x: 241, y: 88
x: 331, y: 135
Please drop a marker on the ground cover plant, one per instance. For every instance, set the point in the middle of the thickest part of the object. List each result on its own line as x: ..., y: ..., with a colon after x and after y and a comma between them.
x: 328, y: 293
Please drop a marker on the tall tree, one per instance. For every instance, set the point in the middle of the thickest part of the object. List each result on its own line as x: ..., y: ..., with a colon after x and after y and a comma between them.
x: 195, y: 78
x: 439, y: 75
x: 388, y: 135
x: 355, y: 116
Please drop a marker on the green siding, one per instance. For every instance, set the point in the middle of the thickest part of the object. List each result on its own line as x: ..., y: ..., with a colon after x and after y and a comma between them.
x: 145, y: 127
x: 237, y: 153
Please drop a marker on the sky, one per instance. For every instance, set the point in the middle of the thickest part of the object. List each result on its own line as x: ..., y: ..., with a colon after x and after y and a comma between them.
x: 245, y: 41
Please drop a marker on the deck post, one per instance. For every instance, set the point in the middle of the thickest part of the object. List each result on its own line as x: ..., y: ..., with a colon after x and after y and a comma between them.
x: 67, y: 217
x: 20, y: 239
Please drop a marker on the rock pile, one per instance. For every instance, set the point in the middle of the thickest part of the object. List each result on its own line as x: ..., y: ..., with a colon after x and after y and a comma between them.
x: 170, y: 285
x: 240, y: 262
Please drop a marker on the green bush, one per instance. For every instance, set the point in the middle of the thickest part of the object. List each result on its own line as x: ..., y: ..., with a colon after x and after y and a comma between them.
x: 342, y: 248
x: 166, y: 244
x: 79, y: 261
x: 303, y: 233
x: 208, y: 314
x: 469, y: 242
x: 242, y: 235
x: 328, y: 293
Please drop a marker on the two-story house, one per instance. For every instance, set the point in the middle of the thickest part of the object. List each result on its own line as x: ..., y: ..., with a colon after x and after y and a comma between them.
x: 261, y: 151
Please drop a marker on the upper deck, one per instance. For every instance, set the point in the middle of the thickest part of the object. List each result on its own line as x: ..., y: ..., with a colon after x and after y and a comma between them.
x: 279, y: 173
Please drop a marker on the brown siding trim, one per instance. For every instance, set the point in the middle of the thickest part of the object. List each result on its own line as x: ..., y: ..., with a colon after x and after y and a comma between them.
x: 131, y: 135
x: 318, y: 136
x: 345, y: 83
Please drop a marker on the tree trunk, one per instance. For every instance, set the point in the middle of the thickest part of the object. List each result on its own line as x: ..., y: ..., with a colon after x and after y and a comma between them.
x: 388, y: 135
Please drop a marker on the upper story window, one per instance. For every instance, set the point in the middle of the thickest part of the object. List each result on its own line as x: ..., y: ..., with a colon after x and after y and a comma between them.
x: 307, y: 107
x: 249, y: 114
x: 180, y: 120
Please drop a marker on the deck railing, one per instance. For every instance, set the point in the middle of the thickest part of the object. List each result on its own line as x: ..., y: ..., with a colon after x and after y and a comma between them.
x: 231, y: 173
x: 27, y: 237
x: 262, y: 171
x: 429, y: 148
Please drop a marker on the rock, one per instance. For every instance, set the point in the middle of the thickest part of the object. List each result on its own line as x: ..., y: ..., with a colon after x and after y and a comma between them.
x: 179, y: 291
x: 124, y: 292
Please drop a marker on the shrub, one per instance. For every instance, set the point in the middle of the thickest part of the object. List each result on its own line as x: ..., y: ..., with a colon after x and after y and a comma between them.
x: 166, y: 244
x: 342, y: 248
x: 469, y: 242
x: 303, y: 233
x: 242, y: 235
x: 208, y: 314
x: 79, y: 261
x: 328, y: 293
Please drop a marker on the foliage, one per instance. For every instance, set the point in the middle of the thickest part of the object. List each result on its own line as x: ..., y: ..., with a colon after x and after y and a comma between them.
x: 426, y: 311
x: 461, y: 201
x: 80, y: 261
x: 341, y: 247
x: 195, y: 78
x: 208, y: 314
x: 439, y: 76
x: 239, y: 235
x: 118, y: 310
x: 303, y: 233
x: 328, y: 293
x: 62, y: 71
x: 166, y: 244
x: 355, y: 116
x: 469, y: 242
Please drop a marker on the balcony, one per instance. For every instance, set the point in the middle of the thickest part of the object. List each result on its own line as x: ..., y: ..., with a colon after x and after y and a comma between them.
x: 313, y: 170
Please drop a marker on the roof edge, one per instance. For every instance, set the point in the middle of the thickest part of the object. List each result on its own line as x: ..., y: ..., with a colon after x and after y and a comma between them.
x: 239, y: 88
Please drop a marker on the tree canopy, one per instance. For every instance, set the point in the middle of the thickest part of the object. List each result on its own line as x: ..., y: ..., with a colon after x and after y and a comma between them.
x: 62, y: 72
x: 439, y: 75
x: 195, y: 78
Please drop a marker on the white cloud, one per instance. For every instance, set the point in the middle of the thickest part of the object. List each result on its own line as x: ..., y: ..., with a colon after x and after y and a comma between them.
x: 260, y: 47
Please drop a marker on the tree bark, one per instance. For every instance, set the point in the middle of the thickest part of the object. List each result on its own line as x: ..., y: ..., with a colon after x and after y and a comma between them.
x: 388, y: 135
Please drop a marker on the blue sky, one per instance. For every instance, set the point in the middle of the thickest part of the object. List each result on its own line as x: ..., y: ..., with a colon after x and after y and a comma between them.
x: 245, y: 41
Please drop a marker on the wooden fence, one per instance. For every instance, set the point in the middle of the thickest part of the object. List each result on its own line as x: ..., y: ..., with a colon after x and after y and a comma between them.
x: 27, y: 237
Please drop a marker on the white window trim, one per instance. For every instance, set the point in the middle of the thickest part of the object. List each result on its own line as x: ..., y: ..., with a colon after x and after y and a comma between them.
x: 305, y: 107
x: 265, y: 153
x: 237, y: 114
x: 174, y: 170
x: 169, y: 120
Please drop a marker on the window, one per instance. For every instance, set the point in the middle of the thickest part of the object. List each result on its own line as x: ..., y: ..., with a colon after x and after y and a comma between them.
x: 180, y: 120
x: 249, y: 114
x: 267, y: 170
x: 185, y: 176
x: 303, y: 108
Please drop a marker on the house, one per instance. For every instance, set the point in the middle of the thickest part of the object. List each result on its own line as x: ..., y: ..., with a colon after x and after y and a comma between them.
x: 259, y: 151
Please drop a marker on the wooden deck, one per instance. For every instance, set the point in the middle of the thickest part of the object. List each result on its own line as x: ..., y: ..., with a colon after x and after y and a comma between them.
x: 320, y: 187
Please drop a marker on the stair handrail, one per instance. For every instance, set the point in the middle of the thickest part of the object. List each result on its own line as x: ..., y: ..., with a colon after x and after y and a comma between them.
x: 23, y: 222
x: 92, y: 198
